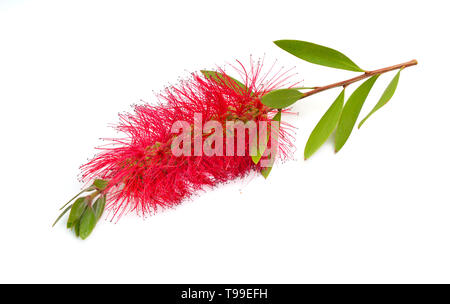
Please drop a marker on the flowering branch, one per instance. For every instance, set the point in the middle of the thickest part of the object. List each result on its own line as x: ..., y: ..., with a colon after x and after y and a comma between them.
x: 144, y: 174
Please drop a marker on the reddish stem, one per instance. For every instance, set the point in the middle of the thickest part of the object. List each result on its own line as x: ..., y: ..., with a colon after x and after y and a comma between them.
x: 360, y: 77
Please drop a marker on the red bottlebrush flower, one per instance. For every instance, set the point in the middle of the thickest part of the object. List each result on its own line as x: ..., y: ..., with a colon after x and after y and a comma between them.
x: 143, y: 173
x: 152, y: 168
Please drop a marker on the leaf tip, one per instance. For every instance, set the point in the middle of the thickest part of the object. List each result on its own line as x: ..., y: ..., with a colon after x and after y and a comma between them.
x: 306, y: 155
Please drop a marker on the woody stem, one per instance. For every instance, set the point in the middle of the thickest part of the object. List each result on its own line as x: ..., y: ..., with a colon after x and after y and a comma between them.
x: 360, y: 77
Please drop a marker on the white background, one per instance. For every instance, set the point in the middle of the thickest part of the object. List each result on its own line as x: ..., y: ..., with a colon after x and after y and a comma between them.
x: 377, y: 212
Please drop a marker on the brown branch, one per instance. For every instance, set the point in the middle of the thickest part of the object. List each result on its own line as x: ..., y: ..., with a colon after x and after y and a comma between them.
x: 360, y: 77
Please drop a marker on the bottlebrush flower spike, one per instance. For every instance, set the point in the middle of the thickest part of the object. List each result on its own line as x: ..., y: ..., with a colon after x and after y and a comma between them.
x: 143, y: 173
x: 139, y: 172
x: 187, y: 142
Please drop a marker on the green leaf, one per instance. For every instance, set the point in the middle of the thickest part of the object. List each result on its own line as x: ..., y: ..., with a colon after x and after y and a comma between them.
x: 325, y: 127
x: 77, y: 210
x: 351, y: 111
x: 77, y: 228
x: 279, y: 99
x: 99, y: 206
x: 387, y: 95
x: 256, y: 158
x: 318, y: 54
x: 221, y: 78
x: 61, y: 215
x: 87, y: 223
x: 266, y: 171
x: 101, y: 184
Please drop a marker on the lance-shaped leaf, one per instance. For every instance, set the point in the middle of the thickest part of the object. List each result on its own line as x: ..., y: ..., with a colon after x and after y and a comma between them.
x: 221, y: 78
x: 87, y: 223
x: 325, y: 127
x: 387, y: 95
x: 266, y: 171
x: 279, y: 99
x: 76, y: 212
x: 318, y: 54
x: 99, y: 206
x: 61, y: 215
x: 76, y: 228
x: 351, y: 111
x: 260, y: 149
